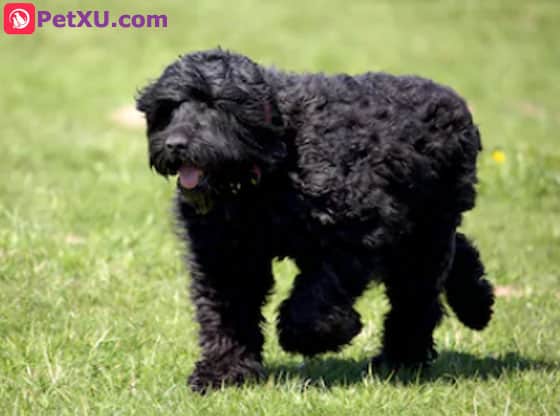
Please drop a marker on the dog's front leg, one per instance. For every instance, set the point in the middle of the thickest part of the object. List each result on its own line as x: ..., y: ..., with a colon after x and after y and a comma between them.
x: 228, y: 289
x: 319, y: 315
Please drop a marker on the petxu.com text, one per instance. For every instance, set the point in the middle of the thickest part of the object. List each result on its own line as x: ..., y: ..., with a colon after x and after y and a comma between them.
x: 99, y: 19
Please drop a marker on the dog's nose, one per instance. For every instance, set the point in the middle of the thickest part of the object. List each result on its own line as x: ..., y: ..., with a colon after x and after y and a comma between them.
x: 175, y: 142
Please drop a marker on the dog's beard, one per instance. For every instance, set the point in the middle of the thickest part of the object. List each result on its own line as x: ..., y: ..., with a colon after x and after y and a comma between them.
x: 201, y: 200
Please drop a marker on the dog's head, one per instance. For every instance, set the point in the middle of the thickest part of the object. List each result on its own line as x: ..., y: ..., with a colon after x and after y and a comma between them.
x: 213, y: 120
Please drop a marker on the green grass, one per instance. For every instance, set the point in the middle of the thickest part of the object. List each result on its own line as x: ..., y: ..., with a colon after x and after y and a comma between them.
x: 94, y: 314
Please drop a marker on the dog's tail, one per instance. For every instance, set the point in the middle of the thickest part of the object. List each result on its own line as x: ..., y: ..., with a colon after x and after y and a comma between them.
x: 470, y: 295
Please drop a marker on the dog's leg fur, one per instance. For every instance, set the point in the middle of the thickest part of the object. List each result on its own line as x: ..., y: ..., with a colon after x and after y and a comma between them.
x: 228, y: 290
x: 470, y: 295
x: 414, y: 280
x: 319, y: 315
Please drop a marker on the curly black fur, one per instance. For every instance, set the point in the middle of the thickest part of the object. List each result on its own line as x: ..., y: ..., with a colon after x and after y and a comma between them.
x: 355, y: 178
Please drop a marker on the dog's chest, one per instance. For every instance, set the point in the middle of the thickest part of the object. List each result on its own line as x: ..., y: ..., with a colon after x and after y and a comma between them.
x: 283, y: 221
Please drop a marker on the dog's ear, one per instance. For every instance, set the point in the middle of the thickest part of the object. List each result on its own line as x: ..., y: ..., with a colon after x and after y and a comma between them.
x: 246, y: 95
x: 144, y: 98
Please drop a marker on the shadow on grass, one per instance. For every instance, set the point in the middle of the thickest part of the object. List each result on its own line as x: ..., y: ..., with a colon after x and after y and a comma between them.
x: 450, y: 367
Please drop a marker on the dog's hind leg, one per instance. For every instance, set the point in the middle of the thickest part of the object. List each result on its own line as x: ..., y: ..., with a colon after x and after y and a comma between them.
x: 414, y: 276
x: 470, y: 295
x: 319, y: 315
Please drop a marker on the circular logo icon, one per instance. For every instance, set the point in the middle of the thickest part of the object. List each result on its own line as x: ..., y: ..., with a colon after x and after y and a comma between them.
x: 19, y: 19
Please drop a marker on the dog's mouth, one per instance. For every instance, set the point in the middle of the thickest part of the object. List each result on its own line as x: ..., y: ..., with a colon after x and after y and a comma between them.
x: 194, y: 189
x: 190, y: 176
x: 200, y: 189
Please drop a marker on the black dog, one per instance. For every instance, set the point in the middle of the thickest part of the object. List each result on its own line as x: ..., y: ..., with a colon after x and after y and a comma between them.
x: 355, y: 178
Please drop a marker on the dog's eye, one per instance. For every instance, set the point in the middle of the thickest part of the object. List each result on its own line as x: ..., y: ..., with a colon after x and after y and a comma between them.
x: 161, y: 117
x: 199, y: 95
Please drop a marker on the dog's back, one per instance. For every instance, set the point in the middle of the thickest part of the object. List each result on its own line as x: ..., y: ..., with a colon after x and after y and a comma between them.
x: 375, y: 140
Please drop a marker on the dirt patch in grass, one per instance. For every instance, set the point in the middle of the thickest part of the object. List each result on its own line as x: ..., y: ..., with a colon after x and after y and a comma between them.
x: 128, y: 117
x: 74, y: 240
x: 508, y: 291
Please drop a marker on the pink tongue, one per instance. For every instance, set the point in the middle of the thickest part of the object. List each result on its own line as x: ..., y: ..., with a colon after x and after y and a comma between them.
x: 189, y: 176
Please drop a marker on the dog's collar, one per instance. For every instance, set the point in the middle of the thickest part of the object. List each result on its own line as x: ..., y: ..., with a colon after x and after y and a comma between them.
x: 247, y: 182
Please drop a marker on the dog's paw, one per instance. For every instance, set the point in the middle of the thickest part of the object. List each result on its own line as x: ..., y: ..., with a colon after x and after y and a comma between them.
x: 386, y: 361
x: 475, y: 310
x: 210, y: 375
x: 313, y: 333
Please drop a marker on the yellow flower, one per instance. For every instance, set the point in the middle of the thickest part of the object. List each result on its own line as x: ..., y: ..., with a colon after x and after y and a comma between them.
x: 499, y: 156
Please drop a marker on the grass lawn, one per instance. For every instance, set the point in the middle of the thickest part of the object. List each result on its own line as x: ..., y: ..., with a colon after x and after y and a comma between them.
x: 94, y: 313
